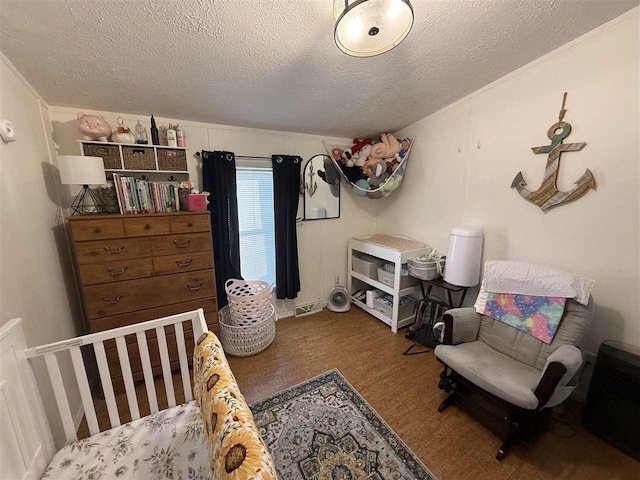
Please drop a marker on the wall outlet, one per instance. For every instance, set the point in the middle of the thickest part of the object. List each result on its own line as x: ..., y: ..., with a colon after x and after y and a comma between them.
x: 336, y: 280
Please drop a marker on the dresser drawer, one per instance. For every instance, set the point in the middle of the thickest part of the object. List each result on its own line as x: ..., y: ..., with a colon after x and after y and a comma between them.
x: 146, y: 226
x: 116, y: 270
x: 187, y: 243
x: 183, y: 262
x: 109, y: 250
x: 190, y: 223
x: 209, y: 305
x: 97, y: 229
x: 132, y: 295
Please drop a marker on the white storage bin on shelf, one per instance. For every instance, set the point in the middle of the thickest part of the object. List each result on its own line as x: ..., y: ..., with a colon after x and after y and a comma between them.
x: 384, y: 305
x: 388, y: 278
x: 366, y: 265
x: 246, y: 340
x: 249, y: 300
x: 425, y: 270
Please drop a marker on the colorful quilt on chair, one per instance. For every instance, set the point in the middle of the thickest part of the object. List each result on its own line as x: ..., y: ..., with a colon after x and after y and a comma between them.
x: 537, y: 316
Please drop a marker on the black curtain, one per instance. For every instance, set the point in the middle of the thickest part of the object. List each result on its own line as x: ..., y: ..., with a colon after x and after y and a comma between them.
x: 286, y: 193
x: 219, y: 179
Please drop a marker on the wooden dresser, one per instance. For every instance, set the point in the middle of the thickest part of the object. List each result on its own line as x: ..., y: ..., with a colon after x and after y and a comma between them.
x: 134, y: 268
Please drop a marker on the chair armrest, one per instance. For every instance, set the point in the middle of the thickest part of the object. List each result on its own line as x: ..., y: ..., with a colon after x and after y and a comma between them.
x: 555, y: 383
x: 460, y: 325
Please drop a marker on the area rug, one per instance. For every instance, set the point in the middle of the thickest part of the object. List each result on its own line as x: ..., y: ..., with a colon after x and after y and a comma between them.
x: 323, y: 429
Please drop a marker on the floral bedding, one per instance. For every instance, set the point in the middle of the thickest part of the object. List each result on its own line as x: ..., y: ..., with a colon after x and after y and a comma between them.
x: 236, y: 450
x: 167, y: 445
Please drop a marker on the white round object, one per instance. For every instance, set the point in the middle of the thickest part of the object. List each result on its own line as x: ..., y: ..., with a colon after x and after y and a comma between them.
x: 249, y: 300
x: 339, y: 300
x: 464, y: 258
x: 245, y: 340
x: 365, y: 28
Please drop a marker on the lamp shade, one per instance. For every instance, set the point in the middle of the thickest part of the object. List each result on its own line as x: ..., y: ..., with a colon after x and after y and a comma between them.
x: 365, y: 28
x: 81, y: 170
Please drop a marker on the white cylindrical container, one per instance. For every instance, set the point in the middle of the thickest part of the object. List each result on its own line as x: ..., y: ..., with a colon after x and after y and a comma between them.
x: 464, y: 258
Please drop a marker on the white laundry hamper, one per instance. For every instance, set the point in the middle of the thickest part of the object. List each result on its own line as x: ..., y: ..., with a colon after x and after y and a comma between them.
x: 249, y: 300
x: 246, y: 340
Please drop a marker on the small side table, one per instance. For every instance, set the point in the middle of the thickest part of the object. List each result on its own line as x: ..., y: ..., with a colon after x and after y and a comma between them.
x: 440, y: 283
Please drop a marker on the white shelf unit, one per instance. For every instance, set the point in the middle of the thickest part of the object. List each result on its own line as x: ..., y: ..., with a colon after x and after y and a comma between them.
x: 398, y: 258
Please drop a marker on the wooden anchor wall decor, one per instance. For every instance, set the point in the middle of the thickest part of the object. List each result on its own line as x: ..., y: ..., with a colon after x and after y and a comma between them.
x: 548, y: 195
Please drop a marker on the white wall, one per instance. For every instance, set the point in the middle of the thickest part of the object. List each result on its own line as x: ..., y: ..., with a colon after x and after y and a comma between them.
x: 36, y: 280
x: 495, y: 127
x: 321, y: 244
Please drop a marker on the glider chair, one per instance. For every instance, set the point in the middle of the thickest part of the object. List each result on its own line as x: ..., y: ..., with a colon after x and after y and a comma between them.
x: 505, y: 378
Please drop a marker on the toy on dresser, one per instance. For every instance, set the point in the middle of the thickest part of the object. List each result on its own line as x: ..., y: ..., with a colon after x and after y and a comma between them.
x: 93, y: 127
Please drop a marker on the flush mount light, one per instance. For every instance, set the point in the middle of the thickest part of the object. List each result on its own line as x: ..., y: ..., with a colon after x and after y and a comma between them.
x: 365, y: 28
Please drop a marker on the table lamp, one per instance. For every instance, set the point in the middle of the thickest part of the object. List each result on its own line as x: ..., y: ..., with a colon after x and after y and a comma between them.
x: 85, y: 171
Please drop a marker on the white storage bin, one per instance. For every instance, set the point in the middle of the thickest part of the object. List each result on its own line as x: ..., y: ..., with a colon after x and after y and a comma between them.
x: 388, y: 279
x: 425, y: 270
x: 384, y: 305
x: 366, y: 265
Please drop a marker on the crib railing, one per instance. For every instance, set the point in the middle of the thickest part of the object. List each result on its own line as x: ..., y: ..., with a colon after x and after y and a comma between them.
x: 96, y: 341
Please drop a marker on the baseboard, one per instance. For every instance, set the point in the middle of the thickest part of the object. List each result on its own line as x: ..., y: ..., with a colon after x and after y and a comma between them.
x: 77, y: 418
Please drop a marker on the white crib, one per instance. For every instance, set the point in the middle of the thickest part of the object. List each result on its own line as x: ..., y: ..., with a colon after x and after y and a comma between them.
x: 27, y: 444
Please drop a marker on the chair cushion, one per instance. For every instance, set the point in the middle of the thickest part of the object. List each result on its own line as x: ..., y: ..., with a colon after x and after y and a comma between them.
x: 493, y: 371
x: 528, y: 349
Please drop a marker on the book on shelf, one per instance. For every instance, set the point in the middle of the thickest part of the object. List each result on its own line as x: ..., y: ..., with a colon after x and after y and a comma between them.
x: 143, y: 196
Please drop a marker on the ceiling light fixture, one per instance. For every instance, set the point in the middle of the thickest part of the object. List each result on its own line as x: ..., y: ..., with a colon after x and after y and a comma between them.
x: 365, y: 28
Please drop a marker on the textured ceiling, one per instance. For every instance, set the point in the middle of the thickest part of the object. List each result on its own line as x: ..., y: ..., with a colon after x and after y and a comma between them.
x: 273, y: 63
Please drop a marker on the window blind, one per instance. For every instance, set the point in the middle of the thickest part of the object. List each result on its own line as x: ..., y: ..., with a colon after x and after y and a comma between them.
x: 256, y: 221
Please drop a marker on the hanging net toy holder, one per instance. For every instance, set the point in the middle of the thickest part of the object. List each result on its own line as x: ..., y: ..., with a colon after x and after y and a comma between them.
x: 352, y: 170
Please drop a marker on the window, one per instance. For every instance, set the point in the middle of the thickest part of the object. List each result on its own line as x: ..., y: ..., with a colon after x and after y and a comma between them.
x: 255, y: 215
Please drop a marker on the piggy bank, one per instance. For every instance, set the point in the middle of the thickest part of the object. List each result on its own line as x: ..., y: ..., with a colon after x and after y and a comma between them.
x: 93, y: 127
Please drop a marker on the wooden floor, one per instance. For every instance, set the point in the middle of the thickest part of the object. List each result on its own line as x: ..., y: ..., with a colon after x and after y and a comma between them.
x: 403, y: 389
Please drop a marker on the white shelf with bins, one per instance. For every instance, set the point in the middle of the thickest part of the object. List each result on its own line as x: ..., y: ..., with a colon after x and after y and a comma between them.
x: 398, y: 258
x: 136, y: 145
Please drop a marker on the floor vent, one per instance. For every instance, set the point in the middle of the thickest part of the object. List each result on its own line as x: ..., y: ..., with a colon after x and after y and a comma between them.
x: 308, y: 308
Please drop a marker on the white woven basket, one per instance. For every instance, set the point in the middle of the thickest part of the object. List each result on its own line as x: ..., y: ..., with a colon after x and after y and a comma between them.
x: 243, y: 341
x: 249, y: 300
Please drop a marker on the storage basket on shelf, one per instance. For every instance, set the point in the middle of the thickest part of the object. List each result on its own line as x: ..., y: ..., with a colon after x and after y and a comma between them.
x: 249, y: 300
x: 245, y: 340
x: 426, y: 269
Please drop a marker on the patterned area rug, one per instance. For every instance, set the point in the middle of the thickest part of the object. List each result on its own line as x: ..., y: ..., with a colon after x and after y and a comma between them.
x: 323, y: 429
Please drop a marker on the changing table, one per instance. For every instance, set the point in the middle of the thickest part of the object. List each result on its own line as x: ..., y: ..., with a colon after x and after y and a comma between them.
x: 389, y: 248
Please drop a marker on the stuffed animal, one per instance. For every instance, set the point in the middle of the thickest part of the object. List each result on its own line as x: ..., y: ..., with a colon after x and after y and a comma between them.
x: 363, y: 185
x: 122, y: 134
x: 375, y: 169
x: 342, y: 156
x: 93, y: 127
x: 387, y: 147
x: 404, y: 148
x: 361, y: 157
x: 358, y: 144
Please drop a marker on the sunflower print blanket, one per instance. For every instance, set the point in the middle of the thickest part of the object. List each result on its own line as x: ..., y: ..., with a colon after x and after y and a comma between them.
x: 236, y: 450
x: 537, y: 316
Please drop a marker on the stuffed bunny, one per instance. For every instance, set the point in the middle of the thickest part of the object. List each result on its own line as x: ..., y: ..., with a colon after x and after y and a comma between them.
x: 387, y: 147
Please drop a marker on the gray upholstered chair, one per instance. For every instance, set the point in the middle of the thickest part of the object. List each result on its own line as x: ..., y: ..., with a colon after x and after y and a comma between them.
x: 505, y: 377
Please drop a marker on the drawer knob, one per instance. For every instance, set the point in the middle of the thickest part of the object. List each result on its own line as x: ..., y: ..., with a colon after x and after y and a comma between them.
x: 195, y: 285
x: 97, y: 229
x: 114, y: 273
x: 118, y: 250
x: 190, y: 224
x: 147, y: 226
x: 180, y: 244
x: 184, y: 263
x: 115, y: 300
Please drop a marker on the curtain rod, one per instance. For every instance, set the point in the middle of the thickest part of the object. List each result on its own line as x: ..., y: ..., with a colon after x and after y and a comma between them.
x: 242, y: 156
